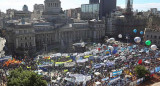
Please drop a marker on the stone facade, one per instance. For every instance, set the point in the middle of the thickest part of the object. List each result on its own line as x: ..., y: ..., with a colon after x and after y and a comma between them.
x: 20, y: 38
x: 153, y: 29
x: 125, y: 26
x: 73, y: 13
x: 44, y: 36
x: 2, y: 45
x: 53, y: 11
x: 14, y: 14
x: 153, y: 36
x: 37, y: 12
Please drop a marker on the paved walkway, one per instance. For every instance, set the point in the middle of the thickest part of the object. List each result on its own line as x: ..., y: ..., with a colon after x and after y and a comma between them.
x: 156, y: 84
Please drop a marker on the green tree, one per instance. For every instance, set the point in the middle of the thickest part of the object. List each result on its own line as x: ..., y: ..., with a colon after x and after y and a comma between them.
x: 20, y: 77
x: 140, y: 71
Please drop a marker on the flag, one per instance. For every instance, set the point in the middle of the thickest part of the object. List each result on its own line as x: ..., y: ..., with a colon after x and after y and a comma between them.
x: 140, y: 61
x: 130, y: 74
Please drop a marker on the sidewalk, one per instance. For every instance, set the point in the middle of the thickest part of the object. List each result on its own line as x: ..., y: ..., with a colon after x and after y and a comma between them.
x: 156, y: 84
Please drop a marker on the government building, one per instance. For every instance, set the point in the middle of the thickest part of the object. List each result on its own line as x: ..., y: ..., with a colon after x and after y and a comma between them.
x: 49, y: 31
x: 29, y: 38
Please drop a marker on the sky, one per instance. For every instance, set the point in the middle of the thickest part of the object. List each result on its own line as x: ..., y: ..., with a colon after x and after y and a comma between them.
x: 67, y: 4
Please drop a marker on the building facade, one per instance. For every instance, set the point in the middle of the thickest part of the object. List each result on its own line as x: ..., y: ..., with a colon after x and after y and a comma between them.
x: 14, y: 14
x: 106, y: 7
x: 126, y: 26
x: 89, y: 11
x: 28, y: 38
x: 37, y: 12
x: 73, y: 13
x: 38, y: 7
x: 53, y: 11
x: 152, y: 35
x: 93, y: 1
x: 2, y: 45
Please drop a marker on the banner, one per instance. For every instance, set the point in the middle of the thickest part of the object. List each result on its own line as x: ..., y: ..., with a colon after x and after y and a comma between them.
x: 114, y: 79
x: 152, y: 71
x: 69, y: 64
x: 157, y: 69
x: 117, y: 73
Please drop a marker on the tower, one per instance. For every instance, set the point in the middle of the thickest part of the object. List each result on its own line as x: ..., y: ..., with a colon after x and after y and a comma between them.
x: 129, y: 8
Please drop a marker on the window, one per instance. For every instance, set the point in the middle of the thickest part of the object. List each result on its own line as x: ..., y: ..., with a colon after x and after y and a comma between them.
x: 30, y: 44
x: 26, y: 45
x: 21, y: 44
x: 25, y: 38
x: 151, y: 36
x: 155, y: 37
x: 155, y: 41
x: 147, y: 36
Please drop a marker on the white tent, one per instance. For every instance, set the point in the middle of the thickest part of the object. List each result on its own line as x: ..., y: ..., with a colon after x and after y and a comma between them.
x: 98, y: 83
x: 97, y: 73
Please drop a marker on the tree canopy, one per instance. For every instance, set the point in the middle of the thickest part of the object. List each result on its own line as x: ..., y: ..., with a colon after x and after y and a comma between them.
x: 20, y: 77
x: 141, y: 71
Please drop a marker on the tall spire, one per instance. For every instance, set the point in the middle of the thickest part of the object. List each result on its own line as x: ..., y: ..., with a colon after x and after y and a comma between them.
x: 129, y: 7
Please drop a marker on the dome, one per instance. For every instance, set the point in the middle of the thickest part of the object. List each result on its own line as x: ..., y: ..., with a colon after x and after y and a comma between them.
x: 25, y: 8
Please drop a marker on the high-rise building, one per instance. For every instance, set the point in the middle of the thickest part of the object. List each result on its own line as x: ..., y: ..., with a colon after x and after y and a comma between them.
x: 38, y: 7
x: 37, y: 12
x: 129, y: 8
x: 89, y: 11
x: 93, y: 1
x: 106, y: 7
x: 73, y: 13
x: 154, y: 10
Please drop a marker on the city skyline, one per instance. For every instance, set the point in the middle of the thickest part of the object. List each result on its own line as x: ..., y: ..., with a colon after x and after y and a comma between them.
x: 18, y: 4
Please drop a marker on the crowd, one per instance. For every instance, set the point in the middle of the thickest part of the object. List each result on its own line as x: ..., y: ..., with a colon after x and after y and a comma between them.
x: 108, y: 64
